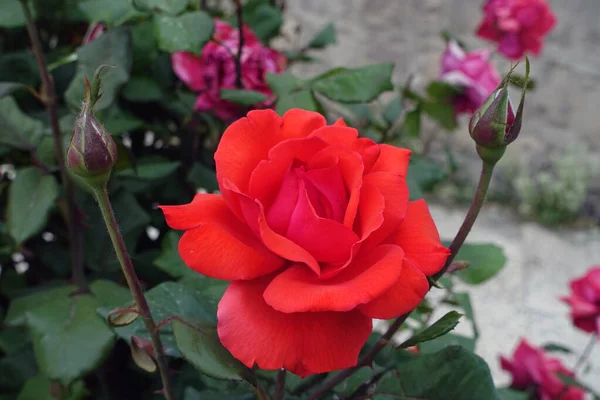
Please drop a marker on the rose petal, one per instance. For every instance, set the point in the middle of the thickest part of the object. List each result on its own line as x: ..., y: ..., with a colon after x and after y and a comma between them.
x: 248, y: 141
x: 326, y: 240
x: 395, y: 192
x: 217, y: 244
x: 392, y: 159
x: 188, y: 67
x: 297, y: 289
x: 403, y: 297
x: 302, y: 343
x: 253, y: 213
x: 419, y: 238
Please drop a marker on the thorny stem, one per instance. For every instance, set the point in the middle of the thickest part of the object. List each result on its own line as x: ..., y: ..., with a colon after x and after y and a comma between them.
x: 482, y: 187
x: 586, y: 353
x: 135, y: 287
x: 48, y: 97
x: 280, y: 385
x: 238, y: 59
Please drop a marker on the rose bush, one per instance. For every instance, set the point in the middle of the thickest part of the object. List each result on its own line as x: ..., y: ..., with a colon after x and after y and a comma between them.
x: 315, y: 230
x: 215, y: 68
x: 535, y: 372
x: 473, y: 72
x: 518, y: 26
x: 585, y: 301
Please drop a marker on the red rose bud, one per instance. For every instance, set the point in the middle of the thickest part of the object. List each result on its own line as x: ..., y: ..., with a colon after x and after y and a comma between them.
x: 92, y: 152
x: 495, y: 124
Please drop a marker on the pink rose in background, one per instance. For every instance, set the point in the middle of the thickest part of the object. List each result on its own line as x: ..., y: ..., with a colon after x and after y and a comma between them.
x: 518, y: 26
x: 473, y: 72
x: 215, y: 69
x: 585, y: 301
x: 531, y: 368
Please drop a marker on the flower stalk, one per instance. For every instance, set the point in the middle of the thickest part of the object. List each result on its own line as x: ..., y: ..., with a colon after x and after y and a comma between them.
x: 101, y: 195
x: 238, y: 57
x: 48, y: 98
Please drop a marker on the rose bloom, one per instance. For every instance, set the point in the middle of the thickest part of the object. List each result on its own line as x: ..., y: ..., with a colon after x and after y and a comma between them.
x: 585, y: 301
x: 532, y: 369
x: 472, y: 72
x: 315, y: 231
x: 518, y: 26
x: 215, y: 69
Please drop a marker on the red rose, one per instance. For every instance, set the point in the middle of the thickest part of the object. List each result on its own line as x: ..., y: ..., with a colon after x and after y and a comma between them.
x: 215, y: 68
x: 316, y: 233
x: 585, y: 301
x: 518, y: 26
x: 532, y: 369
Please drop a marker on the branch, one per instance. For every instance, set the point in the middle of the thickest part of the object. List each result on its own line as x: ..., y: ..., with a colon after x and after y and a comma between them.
x: 238, y: 59
x: 48, y: 97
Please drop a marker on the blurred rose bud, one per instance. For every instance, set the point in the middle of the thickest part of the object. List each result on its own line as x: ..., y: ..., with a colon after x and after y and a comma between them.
x: 92, y: 152
x: 94, y: 31
x: 496, y: 124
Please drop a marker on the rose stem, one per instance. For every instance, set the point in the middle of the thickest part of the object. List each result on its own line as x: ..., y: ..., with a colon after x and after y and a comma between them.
x: 48, y: 97
x: 135, y: 287
x: 280, y: 385
x: 482, y: 188
x: 238, y: 59
x: 586, y: 353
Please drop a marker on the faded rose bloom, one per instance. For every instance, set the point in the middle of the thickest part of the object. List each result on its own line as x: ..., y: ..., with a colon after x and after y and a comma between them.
x: 94, y: 31
x: 215, y: 69
x: 518, y: 26
x: 585, y: 301
x: 473, y: 72
x: 532, y: 369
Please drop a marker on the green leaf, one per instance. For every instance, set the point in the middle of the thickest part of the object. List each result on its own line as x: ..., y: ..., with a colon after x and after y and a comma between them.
x: 38, y: 388
x: 284, y: 83
x: 452, y: 373
x: 202, y: 348
x: 243, y: 97
x: 441, y: 91
x: 111, y: 12
x: 13, y: 339
x: 485, y: 261
x: 356, y: 380
x: 302, y: 99
x: 573, y: 382
x: 16, y: 368
x: 69, y: 340
x: 141, y: 89
x: 557, y: 348
x: 392, y: 110
x: 30, y: 199
x: 412, y: 122
x: 423, y: 176
x: 7, y: 88
x: 112, y: 48
x: 117, y: 121
x: 169, y: 6
x: 324, y: 37
x: 464, y: 301
x: 193, y: 298
x: 440, y: 112
x: 187, y: 32
x: 450, y: 339
x: 357, y: 85
x: 12, y: 15
x: 203, y: 177
x: 21, y: 305
x: 169, y: 259
x: 149, y: 172
x: 442, y: 326
x: 510, y: 394
x: 110, y: 294
x: 264, y: 19
x: 16, y: 128
x: 145, y: 45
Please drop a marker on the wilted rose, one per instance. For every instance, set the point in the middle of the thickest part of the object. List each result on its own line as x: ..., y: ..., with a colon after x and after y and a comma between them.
x: 533, y: 370
x: 472, y: 72
x: 215, y: 69
x: 315, y: 230
x: 518, y: 26
x: 585, y: 301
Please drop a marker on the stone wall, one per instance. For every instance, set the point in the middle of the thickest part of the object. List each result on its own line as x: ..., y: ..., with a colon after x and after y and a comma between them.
x: 563, y: 109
